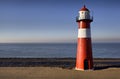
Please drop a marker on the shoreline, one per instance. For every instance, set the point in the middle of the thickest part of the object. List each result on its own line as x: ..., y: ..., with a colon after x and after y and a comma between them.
x: 67, y: 63
x: 57, y: 68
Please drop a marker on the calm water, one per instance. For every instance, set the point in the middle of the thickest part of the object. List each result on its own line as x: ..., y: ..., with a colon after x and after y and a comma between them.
x: 101, y: 50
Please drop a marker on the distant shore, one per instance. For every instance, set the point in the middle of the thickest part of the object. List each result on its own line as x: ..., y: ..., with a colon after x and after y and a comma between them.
x: 68, y: 63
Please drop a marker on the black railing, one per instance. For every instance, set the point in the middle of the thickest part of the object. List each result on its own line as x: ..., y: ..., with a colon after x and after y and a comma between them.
x: 78, y: 18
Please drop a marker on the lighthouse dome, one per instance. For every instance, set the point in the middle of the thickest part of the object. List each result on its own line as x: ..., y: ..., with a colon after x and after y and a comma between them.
x: 84, y: 8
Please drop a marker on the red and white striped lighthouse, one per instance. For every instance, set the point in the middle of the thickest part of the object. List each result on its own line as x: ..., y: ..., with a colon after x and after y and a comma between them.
x: 84, y: 59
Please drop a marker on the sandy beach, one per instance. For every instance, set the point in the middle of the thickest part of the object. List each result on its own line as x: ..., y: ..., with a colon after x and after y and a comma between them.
x: 63, y: 69
x: 56, y: 73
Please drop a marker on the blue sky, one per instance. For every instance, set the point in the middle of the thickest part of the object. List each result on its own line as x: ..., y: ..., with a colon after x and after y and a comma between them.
x: 54, y: 20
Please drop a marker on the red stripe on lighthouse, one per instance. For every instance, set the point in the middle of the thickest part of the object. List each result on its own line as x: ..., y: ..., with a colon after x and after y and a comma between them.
x: 84, y: 52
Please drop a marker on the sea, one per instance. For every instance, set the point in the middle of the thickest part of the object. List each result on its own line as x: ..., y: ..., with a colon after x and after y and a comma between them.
x: 56, y: 50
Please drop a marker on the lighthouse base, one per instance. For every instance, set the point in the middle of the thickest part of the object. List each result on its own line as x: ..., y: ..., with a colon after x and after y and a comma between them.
x: 83, y: 69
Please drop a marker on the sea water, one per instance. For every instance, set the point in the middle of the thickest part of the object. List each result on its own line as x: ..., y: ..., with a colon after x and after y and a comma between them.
x: 56, y: 50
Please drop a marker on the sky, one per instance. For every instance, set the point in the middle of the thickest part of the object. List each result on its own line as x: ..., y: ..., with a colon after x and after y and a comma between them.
x: 54, y: 21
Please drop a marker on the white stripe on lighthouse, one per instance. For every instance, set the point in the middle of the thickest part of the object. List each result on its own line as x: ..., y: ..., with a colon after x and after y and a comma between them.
x: 84, y: 33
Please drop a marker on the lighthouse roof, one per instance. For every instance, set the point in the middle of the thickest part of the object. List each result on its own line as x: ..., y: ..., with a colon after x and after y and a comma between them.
x: 84, y: 8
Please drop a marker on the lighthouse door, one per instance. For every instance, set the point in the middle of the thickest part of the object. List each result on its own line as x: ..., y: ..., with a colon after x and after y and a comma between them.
x: 86, y: 64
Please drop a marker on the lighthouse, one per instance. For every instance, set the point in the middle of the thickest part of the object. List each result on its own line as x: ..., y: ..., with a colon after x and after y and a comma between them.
x: 84, y: 59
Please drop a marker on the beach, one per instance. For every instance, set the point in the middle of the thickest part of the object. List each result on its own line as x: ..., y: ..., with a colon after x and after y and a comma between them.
x: 56, y: 73
x: 57, y: 68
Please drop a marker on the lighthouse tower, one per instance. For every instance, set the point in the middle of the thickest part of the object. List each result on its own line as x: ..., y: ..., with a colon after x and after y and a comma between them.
x: 84, y: 59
